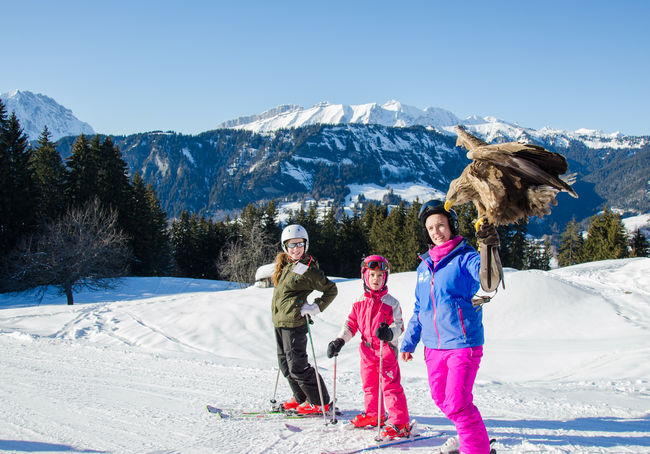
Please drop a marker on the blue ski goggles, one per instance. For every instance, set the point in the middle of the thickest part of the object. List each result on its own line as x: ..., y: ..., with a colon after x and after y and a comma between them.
x: 376, y: 265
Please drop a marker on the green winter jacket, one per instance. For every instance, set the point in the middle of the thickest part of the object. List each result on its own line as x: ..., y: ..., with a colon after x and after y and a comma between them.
x: 292, y: 289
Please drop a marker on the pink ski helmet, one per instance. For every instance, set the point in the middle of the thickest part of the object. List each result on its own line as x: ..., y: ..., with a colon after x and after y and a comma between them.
x: 374, y: 262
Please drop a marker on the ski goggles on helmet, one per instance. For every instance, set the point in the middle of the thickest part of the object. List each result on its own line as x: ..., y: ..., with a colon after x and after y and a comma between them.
x: 432, y: 207
x: 293, y: 245
x: 376, y: 265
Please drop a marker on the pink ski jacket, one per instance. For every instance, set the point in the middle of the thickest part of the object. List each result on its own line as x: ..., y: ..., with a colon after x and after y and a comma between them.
x: 367, y: 313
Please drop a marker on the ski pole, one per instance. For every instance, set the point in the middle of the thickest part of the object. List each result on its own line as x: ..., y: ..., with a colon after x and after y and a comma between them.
x: 379, y: 414
x: 275, y: 390
x: 333, y: 420
x: 313, y: 353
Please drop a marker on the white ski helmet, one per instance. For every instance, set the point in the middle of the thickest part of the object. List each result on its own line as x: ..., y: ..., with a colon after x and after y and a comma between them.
x: 294, y: 231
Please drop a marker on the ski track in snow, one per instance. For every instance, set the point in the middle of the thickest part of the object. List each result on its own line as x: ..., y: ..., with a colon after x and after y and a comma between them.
x: 133, y: 373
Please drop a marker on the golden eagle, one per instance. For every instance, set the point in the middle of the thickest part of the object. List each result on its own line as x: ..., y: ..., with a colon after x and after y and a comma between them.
x: 510, y: 181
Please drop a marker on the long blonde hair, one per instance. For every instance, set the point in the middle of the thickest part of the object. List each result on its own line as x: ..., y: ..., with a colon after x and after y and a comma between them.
x: 281, y: 260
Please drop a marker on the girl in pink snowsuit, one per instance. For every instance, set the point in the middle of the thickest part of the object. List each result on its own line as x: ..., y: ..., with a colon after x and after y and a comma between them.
x: 378, y: 317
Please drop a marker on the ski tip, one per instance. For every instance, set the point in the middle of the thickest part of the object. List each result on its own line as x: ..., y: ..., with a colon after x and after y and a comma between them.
x: 215, y: 411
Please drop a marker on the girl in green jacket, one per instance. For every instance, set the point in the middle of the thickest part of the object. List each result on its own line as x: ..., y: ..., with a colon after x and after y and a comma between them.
x: 296, y: 276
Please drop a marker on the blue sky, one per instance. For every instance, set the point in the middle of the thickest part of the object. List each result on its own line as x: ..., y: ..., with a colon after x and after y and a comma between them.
x: 135, y: 66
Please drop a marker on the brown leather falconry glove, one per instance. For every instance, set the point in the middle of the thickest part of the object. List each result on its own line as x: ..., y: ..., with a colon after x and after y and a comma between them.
x: 487, y: 234
x: 490, y: 272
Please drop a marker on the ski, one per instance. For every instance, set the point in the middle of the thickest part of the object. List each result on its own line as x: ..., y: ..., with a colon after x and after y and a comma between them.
x: 328, y: 414
x: 224, y: 413
x: 387, y: 444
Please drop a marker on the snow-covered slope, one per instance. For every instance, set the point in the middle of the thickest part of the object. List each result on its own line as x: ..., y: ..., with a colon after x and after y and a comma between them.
x: 641, y: 222
x: 34, y: 111
x: 565, y: 368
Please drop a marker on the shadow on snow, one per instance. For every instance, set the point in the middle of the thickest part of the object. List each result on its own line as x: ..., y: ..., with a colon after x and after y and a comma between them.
x: 584, y: 432
x: 36, y: 446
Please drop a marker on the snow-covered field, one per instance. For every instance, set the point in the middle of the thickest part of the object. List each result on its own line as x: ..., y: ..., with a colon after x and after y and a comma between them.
x: 566, y: 368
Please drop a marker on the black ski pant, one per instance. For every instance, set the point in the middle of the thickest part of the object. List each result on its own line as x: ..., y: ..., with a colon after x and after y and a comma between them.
x: 294, y: 365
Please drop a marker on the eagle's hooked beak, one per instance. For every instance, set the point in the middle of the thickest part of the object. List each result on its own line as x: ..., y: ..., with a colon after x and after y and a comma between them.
x: 448, y: 205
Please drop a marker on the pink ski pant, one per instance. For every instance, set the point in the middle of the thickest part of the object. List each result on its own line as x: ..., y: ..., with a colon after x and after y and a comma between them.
x: 392, y: 391
x: 451, y: 378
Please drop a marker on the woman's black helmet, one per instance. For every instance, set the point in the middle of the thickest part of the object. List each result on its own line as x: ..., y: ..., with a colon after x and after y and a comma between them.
x: 438, y: 207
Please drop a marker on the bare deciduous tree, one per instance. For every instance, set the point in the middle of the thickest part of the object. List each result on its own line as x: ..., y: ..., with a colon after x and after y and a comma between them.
x: 240, y: 259
x: 82, y: 249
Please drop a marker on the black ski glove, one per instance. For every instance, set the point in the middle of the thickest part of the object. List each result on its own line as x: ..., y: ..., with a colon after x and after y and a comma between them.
x: 487, y: 234
x: 384, y: 332
x: 335, y: 347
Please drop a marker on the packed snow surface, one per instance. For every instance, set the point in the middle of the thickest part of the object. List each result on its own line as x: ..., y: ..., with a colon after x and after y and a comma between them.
x: 565, y: 369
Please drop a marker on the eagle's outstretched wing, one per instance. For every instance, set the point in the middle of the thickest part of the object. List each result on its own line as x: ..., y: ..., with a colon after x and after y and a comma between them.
x: 510, y: 181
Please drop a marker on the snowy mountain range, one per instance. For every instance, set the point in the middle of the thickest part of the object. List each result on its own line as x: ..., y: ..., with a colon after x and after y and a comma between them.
x: 35, y: 111
x: 395, y: 114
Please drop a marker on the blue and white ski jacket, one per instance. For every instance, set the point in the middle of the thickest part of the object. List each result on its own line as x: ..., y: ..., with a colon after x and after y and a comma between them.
x: 444, y: 317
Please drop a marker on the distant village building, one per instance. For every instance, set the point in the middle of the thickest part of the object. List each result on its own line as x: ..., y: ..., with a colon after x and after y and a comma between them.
x: 263, y: 275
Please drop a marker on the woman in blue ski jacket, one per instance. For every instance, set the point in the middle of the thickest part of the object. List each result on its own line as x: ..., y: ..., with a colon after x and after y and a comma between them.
x: 448, y: 325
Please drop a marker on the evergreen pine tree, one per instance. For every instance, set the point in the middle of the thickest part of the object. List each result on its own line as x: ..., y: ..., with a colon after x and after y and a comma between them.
x: 466, y: 218
x: 547, y: 255
x: 161, y: 257
x: 351, y: 246
x: 367, y: 218
x: 5, y: 190
x: 414, y: 241
x: 376, y: 229
x: 513, y: 245
x: 327, y: 242
x: 310, y: 222
x: 150, y: 236
x: 606, y: 237
x: 18, y: 196
x: 49, y: 176
x: 250, y: 215
x: 298, y: 217
x: 396, y: 253
x: 182, y: 242
x: 113, y: 185
x: 81, y: 178
x: 270, y: 222
x: 639, y: 246
x: 537, y: 256
x: 571, y: 245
